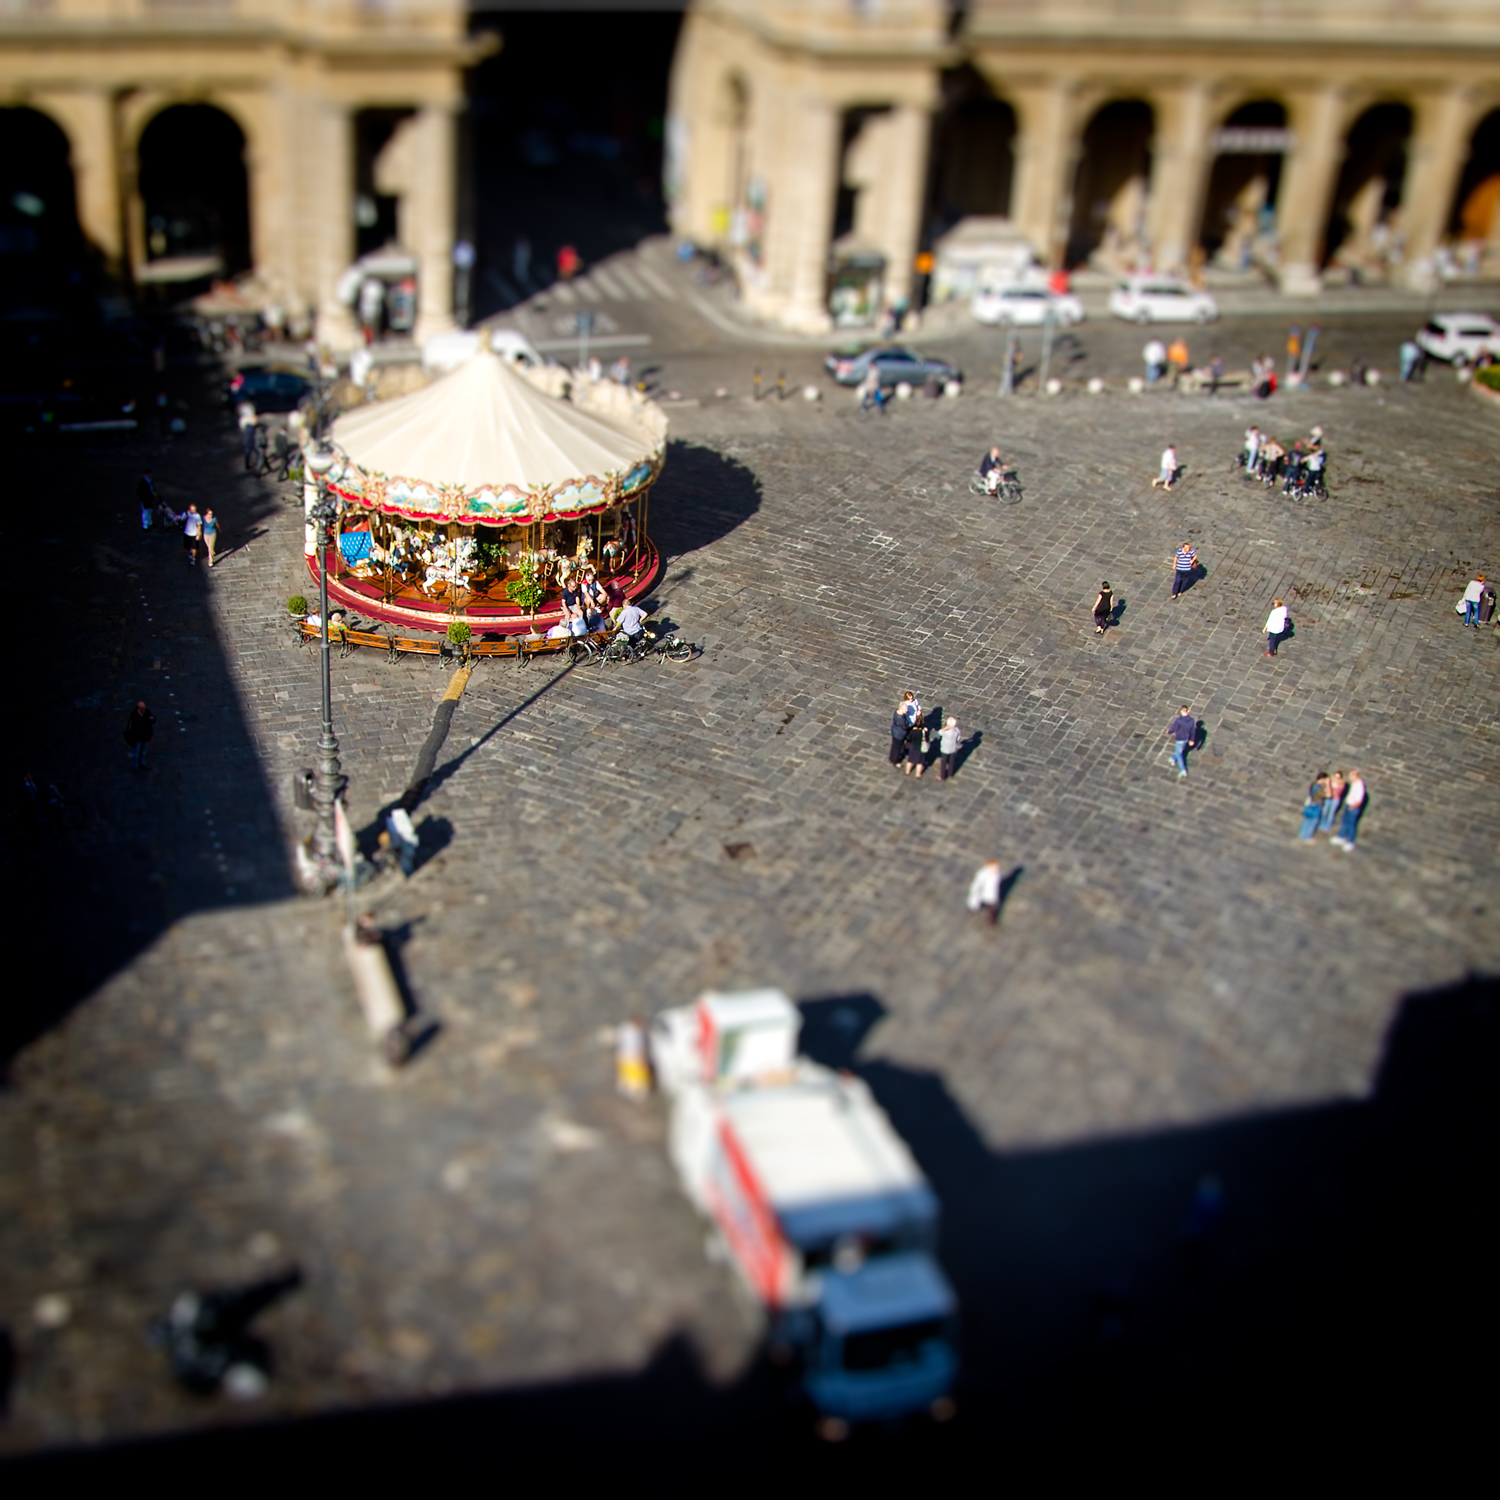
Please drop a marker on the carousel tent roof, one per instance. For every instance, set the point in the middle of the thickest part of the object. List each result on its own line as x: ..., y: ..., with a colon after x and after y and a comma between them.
x: 485, y: 425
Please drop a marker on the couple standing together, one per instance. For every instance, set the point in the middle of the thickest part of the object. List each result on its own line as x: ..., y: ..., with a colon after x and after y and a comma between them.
x: 910, y: 739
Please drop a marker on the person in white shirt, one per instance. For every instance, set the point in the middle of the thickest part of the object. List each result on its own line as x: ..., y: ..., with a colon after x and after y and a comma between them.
x: 1252, y: 450
x: 984, y: 890
x: 192, y: 529
x: 1154, y: 357
x: 1354, y: 805
x: 1473, y: 595
x: 1275, y: 626
x: 1168, y: 473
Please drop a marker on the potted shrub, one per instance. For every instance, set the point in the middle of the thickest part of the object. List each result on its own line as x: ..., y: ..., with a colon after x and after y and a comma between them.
x: 527, y: 590
x: 296, y: 606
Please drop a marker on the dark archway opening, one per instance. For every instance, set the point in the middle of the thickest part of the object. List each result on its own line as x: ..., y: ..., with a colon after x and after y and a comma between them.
x: 1364, y: 218
x: 194, y: 186
x: 1111, y: 187
x: 1476, y: 205
x: 375, y: 219
x: 973, y: 153
x: 565, y: 155
x: 41, y: 251
x: 1239, y: 206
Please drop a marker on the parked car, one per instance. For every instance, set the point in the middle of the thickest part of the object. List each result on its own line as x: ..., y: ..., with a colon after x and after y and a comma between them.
x: 268, y: 389
x: 1161, y: 299
x: 1026, y: 306
x: 1460, y: 337
x: 892, y: 363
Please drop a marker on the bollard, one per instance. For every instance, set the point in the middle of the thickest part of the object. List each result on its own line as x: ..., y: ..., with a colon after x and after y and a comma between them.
x: 632, y: 1070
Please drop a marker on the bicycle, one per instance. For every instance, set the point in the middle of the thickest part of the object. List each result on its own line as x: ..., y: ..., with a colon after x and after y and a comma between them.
x: 1006, y: 488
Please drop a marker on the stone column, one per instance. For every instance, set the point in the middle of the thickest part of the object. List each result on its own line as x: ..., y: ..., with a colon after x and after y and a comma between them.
x: 1435, y: 160
x: 327, y: 202
x: 1179, y: 172
x: 1046, y: 156
x: 87, y: 117
x: 427, y: 216
x: 800, y: 215
x: 894, y: 218
x: 1309, y: 177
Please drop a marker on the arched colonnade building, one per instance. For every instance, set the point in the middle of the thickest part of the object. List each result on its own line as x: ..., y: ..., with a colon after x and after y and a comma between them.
x: 1318, y: 138
x: 282, y: 136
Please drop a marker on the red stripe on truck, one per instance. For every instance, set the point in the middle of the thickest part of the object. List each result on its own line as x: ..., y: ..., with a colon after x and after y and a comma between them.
x: 746, y: 1218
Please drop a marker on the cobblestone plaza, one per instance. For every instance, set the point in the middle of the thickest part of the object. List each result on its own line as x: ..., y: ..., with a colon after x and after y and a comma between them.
x: 193, y: 1098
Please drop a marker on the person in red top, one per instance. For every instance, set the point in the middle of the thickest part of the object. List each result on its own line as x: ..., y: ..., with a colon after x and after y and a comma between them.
x: 568, y: 262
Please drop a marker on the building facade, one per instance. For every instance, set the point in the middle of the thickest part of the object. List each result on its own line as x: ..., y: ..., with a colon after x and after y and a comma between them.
x: 278, y: 137
x: 1318, y: 140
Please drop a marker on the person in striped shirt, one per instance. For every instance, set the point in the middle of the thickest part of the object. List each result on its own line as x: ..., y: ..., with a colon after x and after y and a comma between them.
x: 1183, y: 563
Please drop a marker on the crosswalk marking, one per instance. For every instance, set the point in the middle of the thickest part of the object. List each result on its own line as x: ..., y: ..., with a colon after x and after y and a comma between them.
x: 564, y: 293
x: 587, y: 291
x: 655, y: 282
x: 606, y: 283
x: 631, y: 284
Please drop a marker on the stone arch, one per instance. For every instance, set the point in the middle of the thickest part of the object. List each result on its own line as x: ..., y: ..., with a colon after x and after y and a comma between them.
x: 973, y: 152
x: 38, y: 201
x: 1111, y: 186
x: 1239, y: 203
x: 1475, y: 218
x: 193, y: 183
x: 1364, y: 219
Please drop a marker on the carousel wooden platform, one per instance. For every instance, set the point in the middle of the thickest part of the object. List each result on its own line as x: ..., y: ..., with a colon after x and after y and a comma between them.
x: 481, y: 604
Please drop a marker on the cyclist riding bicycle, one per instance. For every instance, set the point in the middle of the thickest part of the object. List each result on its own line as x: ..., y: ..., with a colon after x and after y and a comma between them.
x: 992, y: 469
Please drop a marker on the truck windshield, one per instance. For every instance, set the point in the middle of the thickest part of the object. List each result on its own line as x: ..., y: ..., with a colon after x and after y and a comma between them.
x: 881, y: 1347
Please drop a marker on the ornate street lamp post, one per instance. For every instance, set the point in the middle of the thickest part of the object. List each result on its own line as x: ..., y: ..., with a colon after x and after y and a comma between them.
x: 328, y: 780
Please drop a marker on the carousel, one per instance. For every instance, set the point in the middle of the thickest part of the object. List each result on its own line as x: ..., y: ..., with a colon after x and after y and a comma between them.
x: 484, y: 495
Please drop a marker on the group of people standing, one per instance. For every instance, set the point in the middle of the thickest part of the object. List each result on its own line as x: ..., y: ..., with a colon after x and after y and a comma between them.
x: 195, y: 528
x: 1302, y: 468
x: 912, y: 740
x: 1329, y: 793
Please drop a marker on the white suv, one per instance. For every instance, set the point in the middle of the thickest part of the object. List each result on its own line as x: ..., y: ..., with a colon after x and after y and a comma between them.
x: 1460, y: 336
x: 1161, y: 299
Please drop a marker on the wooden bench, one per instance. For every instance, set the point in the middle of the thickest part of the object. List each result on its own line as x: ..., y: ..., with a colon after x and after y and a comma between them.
x: 438, y: 647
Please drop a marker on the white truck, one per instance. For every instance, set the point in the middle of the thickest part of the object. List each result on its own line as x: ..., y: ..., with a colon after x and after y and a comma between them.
x: 822, y: 1211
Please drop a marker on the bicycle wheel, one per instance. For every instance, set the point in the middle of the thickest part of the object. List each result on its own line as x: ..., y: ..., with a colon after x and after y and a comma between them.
x: 680, y: 651
x: 1010, y: 493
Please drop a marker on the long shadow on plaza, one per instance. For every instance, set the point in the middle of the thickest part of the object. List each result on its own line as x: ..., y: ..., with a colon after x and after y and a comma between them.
x: 1308, y: 1284
x: 118, y: 615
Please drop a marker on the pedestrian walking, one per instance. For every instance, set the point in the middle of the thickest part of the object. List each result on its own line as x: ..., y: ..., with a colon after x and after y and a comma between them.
x: 1104, y: 607
x: 1275, y: 626
x: 1252, y: 451
x: 1354, y: 806
x: 900, y: 728
x: 248, y: 421
x: 1182, y: 731
x: 192, y: 529
x: 948, y: 738
x: 1184, y: 560
x: 1487, y: 604
x: 1333, y: 799
x: 145, y: 493
x: 1168, y: 475
x: 984, y: 890
x: 1411, y: 360
x: 210, y: 535
x: 1473, y: 598
x: 139, y: 727
x: 1312, y: 809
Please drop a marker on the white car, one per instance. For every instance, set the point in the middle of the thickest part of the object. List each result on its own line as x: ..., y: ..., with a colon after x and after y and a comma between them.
x: 1026, y: 306
x: 1460, y: 336
x: 1161, y: 299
